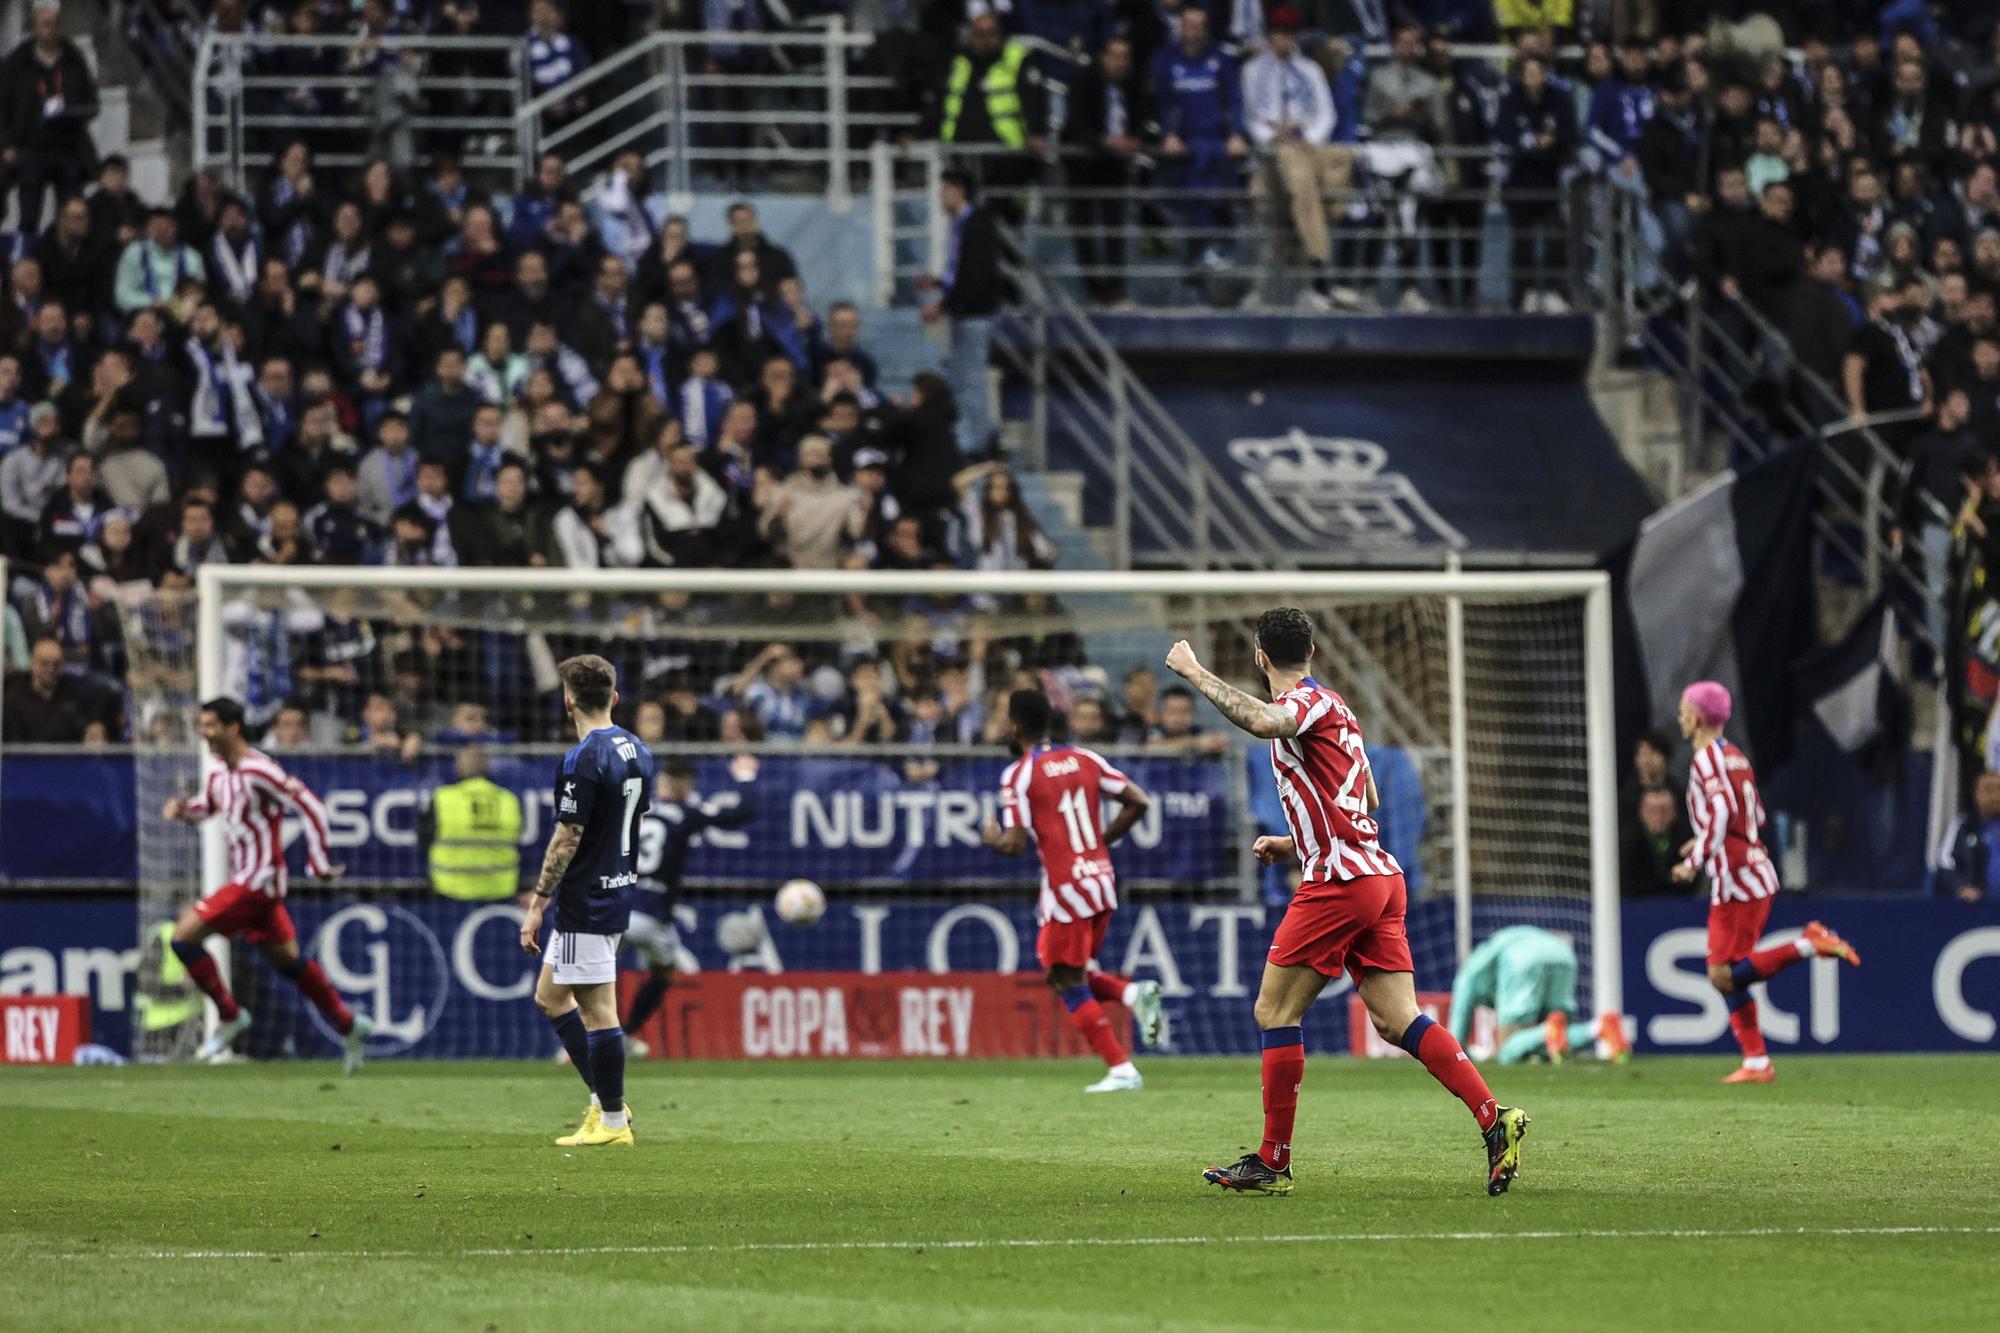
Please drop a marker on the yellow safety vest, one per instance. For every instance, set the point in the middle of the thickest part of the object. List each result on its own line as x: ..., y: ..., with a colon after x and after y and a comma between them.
x: 476, y: 852
x: 1002, y: 90
x: 175, y: 1004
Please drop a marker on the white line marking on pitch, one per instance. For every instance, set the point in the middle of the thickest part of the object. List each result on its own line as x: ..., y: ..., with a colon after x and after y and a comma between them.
x: 1031, y: 1243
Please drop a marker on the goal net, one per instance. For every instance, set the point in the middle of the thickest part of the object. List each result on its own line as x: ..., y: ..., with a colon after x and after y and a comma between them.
x: 874, y: 706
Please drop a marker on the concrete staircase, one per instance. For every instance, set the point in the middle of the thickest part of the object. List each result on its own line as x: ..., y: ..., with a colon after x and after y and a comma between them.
x: 1641, y: 409
x: 132, y: 120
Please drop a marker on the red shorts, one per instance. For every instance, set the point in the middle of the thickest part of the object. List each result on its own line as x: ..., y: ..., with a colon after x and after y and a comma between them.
x: 1336, y: 926
x: 1734, y: 929
x: 1071, y: 943
x: 242, y: 913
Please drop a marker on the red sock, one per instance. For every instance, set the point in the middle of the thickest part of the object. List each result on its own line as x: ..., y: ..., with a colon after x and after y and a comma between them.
x: 312, y: 982
x: 1433, y: 1043
x: 205, y: 974
x: 1743, y: 1022
x: 1284, y: 1070
x: 1108, y: 987
x: 1770, y: 962
x: 1086, y: 1015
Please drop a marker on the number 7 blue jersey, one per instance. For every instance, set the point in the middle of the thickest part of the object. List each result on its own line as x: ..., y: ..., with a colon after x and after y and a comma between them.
x: 603, y: 786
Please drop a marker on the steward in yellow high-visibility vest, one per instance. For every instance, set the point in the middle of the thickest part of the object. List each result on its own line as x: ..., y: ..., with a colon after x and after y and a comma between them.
x: 993, y: 94
x: 474, y: 831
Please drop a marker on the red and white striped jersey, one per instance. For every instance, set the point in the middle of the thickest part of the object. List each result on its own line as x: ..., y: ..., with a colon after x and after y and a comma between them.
x: 1055, y: 792
x: 1322, y: 777
x: 251, y: 799
x: 1728, y: 817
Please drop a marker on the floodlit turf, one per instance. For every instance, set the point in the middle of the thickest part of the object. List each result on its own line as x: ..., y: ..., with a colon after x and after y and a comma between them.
x: 994, y: 1196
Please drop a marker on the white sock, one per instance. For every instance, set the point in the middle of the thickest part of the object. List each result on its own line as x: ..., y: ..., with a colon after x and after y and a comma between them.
x: 615, y: 1119
x: 1125, y: 1070
x: 1130, y: 994
x: 1756, y: 1062
x: 595, y: 1105
x: 1804, y: 946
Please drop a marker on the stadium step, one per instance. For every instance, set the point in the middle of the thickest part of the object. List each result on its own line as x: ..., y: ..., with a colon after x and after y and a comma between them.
x: 1641, y: 409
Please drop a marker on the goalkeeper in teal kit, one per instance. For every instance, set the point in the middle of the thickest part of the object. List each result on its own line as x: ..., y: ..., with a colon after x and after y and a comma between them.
x: 1527, y: 976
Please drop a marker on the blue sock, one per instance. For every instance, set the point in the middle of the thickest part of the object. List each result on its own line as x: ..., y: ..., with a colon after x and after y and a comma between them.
x: 1076, y: 997
x: 1413, y: 1035
x: 570, y: 1029
x: 189, y: 952
x: 1291, y: 1036
x: 1739, y: 997
x: 1744, y: 973
x: 607, y: 1067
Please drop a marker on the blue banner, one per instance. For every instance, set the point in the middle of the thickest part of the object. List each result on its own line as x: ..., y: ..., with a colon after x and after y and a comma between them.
x: 845, y: 821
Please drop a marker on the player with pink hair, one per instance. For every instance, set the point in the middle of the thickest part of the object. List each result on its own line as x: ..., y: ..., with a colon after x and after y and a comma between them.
x: 1728, y: 821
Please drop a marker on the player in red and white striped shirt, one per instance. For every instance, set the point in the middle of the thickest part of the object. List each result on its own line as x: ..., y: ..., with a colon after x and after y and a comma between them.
x: 251, y: 794
x: 1728, y: 822
x: 1053, y: 793
x: 1348, y: 913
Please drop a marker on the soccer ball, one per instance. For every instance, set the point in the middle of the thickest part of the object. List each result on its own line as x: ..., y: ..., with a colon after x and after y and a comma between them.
x: 800, y: 902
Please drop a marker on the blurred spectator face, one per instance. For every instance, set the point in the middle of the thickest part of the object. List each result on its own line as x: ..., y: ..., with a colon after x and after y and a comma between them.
x: 1770, y: 137
x: 145, y: 329
x: 364, y: 293
x: 1141, y: 690
x: 1656, y: 811
x: 787, y: 671
x: 274, y: 280
x: 258, y: 489
x: 496, y: 344
x: 703, y: 364
x: 340, y: 486
x: 1534, y: 77
x: 549, y: 173
x: 469, y: 719
x: 51, y: 322
x: 843, y: 327
x: 542, y: 340
x: 274, y: 377
x: 743, y: 224
x: 682, y: 465
x: 1982, y: 186
x: 673, y: 236
x: 10, y: 377
x: 1954, y: 411
x: 749, y: 275
x: 1985, y: 794
x: 317, y: 425
x: 160, y: 230
x: 683, y: 283
x: 45, y: 666
x: 1736, y: 100
x: 81, y: 476
x: 1986, y: 358
x: 625, y: 375
x: 815, y: 458
x: 1946, y: 256
x: 290, y: 728
x: 347, y: 223
x: 1951, y: 297
x: 451, y: 367
x: 46, y: 25
x: 1866, y: 188
x: 478, y: 231
x: 984, y: 37
x: 1986, y: 251
x: 843, y: 417
x: 486, y: 425
x: 204, y: 324
x: 197, y: 525
x: 653, y: 324
x: 73, y: 221
x: 60, y: 572
x: 510, y: 488
x: 611, y: 278
x: 1830, y: 265
x: 393, y: 434
x: 1910, y: 82
x: 1176, y: 715
x: 1734, y: 188
x: 1086, y: 720
x: 1116, y: 60
x: 458, y: 293
x: 1194, y: 32
x: 866, y: 680
x: 531, y: 270
x: 1437, y: 51
x: 545, y: 16
x: 1633, y: 63
x: 1778, y: 202
x: 649, y: 723
x: 1597, y: 62
x: 739, y: 423
x: 284, y: 523
x: 589, y: 490
x: 431, y: 480
x: 778, y: 378
x: 378, y: 715
x: 906, y: 538
x: 1649, y: 763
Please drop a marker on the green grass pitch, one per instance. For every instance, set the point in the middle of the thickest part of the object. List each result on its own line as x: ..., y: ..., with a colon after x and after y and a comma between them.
x: 995, y: 1196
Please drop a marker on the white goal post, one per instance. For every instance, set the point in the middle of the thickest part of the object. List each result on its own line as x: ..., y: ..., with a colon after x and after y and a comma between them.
x: 1538, y: 656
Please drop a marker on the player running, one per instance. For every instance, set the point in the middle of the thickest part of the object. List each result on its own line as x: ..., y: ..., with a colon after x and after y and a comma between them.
x: 1348, y: 912
x: 1728, y: 820
x: 601, y: 791
x: 250, y: 793
x: 1053, y: 794
x: 1527, y: 976
x: 664, y: 840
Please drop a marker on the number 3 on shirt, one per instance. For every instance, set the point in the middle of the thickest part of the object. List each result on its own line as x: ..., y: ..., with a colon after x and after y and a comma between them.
x: 634, y: 789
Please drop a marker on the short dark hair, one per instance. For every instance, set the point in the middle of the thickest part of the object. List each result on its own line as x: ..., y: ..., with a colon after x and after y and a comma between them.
x: 960, y: 177
x: 590, y: 681
x: 1659, y: 742
x: 228, y: 711
x: 1031, y: 711
x: 1285, y: 633
x: 680, y: 770
x: 1177, y: 692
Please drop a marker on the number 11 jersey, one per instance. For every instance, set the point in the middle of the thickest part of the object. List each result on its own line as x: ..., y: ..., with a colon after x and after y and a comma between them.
x: 1056, y: 792
x: 603, y: 786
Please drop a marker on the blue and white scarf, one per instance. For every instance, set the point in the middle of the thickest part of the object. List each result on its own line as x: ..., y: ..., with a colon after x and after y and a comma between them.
x: 371, y: 331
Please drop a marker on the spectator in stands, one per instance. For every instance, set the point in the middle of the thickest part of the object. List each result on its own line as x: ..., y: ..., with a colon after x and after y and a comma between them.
x: 1968, y: 859
x: 47, y: 101
x: 593, y: 533
x: 772, y: 686
x: 1535, y: 133
x: 1200, y: 105
x: 685, y: 511
x: 601, y: 323
x: 1110, y: 122
x: 840, y: 340
x: 66, y: 518
x: 554, y: 57
x: 1288, y: 113
x: 807, y: 515
x: 1883, y: 372
x: 117, y: 217
x: 1176, y: 730
x: 1142, y: 701
x: 1405, y: 109
x: 1088, y: 724
x: 76, y: 266
x: 132, y: 475
x: 44, y: 705
x: 151, y: 270
x: 746, y: 236
x: 336, y: 527
x: 1821, y: 315
x: 1654, y: 830
x: 999, y: 530
x: 14, y: 430
x: 969, y: 293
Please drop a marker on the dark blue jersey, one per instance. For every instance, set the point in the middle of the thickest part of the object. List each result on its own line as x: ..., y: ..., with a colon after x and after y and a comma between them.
x: 603, y: 787
x: 669, y: 832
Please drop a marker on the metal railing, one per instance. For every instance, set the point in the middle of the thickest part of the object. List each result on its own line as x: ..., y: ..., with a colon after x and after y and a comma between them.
x: 783, y: 109
x: 247, y: 105
x: 161, y: 47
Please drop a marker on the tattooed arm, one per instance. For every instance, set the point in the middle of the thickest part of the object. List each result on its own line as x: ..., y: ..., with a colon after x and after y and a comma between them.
x: 1268, y: 721
x: 562, y: 848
